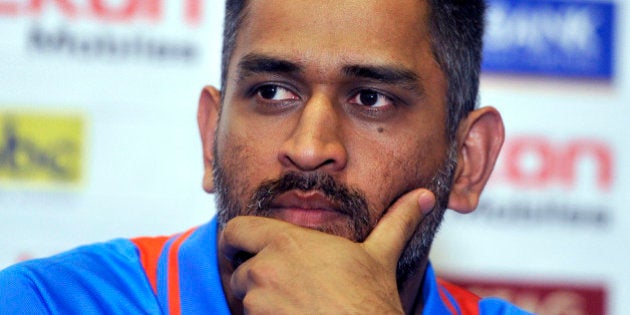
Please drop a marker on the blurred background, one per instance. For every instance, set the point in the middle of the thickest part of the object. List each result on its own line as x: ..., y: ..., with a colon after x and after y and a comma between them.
x: 98, y: 140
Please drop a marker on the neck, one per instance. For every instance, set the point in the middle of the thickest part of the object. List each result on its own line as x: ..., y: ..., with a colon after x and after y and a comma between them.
x: 410, y: 291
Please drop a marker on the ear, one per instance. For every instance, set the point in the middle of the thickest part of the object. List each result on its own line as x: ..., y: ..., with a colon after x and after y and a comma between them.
x: 480, y: 137
x: 207, y: 119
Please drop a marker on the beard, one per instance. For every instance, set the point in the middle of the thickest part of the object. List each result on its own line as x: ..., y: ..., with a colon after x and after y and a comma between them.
x: 348, y: 201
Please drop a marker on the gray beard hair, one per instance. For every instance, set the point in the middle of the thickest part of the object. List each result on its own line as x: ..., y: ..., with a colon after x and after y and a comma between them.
x: 354, y: 204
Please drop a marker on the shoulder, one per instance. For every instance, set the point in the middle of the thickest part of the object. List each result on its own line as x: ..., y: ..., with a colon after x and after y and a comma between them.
x: 88, y: 278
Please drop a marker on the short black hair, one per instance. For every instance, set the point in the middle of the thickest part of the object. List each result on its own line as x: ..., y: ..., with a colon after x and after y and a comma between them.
x: 456, y: 28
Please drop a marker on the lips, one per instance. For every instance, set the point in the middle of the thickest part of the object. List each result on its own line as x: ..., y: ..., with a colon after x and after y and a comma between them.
x: 307, y: 200
x: 305, y: 208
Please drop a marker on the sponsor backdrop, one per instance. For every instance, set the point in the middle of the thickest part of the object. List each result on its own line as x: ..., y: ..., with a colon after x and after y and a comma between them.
x: 98, y: 140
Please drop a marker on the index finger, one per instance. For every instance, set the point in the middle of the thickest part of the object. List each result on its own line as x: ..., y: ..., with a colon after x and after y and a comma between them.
x: 244, y: 236
x: 391, y: 234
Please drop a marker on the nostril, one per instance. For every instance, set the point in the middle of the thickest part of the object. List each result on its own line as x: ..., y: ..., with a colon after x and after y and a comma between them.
x: 329, y: 161
x: 310, y: 160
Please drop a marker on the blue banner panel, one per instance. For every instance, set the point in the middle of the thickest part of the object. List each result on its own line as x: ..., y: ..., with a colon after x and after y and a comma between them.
x: 550, y: 38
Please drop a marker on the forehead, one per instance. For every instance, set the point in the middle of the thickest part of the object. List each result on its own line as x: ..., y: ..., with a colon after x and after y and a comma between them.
x: 329, y: 33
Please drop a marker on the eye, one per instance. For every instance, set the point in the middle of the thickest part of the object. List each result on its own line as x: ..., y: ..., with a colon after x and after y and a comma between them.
x: 273, y: 92
x: 371, y: 98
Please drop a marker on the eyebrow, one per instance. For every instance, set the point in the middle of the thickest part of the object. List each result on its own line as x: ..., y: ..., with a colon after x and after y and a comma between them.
x: 254, y: 63
x: 385, y: 74
x: 257, y: 64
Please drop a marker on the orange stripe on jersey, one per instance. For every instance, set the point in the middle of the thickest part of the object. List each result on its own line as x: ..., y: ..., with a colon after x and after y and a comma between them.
x: 446, y: 300
x: 150, y: 249
x: 467, y: 302
x: 174, y: 303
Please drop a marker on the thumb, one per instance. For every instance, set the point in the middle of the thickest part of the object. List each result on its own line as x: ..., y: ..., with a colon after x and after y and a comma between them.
x: 391, y: 234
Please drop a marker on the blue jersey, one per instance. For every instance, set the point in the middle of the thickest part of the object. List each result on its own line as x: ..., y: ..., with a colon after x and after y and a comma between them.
x: 177, y: 274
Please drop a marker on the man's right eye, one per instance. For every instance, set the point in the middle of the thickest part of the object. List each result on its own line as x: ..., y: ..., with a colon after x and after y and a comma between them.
x: 275, y: 93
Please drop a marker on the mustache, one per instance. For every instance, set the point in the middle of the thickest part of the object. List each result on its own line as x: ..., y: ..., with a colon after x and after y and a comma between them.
x: 347, y: 201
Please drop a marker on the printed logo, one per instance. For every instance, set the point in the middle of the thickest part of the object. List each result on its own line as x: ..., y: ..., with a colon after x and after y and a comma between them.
x: 550, y: 37
x: 542, y: 298
x: 124, y: 11
x: 537, y: 162
x: 540, y: 180
x: 40, y: 148
x: 121, y: 30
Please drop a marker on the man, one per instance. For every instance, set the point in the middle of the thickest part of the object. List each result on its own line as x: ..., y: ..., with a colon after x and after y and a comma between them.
x: 342, y: 132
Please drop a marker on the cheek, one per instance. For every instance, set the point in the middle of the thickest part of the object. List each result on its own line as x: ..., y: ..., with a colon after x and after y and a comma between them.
x: 246, y: 156
x: 392, y: 170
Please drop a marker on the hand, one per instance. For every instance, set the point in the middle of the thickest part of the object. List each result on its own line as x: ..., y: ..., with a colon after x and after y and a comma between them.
x: 297, y: 270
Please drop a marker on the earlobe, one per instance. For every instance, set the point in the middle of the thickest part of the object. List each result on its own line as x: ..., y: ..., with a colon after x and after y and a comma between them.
x: 480, y: 138
x: 207, y: 120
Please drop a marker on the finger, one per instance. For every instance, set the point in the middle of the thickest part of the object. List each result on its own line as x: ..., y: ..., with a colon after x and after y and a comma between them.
x: 244, y: 236
x: 393, y: 231
x: 239, y: 282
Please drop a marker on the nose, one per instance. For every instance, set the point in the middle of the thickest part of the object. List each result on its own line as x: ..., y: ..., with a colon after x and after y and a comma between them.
x: 315, y: 143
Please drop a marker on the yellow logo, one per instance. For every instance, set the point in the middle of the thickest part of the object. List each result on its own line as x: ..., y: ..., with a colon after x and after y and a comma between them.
x: 40, y: 148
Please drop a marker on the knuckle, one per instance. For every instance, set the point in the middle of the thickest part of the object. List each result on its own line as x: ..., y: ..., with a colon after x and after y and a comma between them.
x: 284, y: 240
x: 238, y: 220
x: 234, y: 227
x: 228, y: 236
x: 256, y: 302
x: 250, y: 301
x: 261, y: 274
x: 228, y: 233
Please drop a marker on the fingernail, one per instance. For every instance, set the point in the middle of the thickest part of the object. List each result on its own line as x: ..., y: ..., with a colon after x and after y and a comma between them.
x: 426, y: 200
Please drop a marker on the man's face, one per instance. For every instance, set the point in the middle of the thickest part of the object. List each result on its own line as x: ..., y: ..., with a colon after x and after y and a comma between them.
x: 332, y: 110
